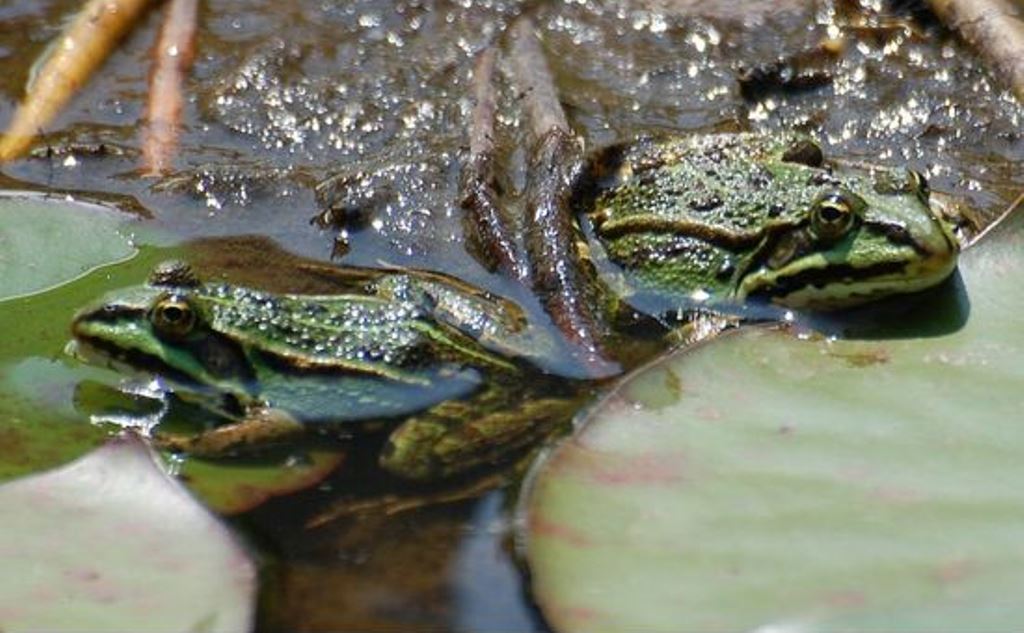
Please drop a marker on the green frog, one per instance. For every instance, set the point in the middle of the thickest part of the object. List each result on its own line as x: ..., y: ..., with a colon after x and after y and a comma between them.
x: 705, y: 221
x: 442, y: 361
x: 736, y: 218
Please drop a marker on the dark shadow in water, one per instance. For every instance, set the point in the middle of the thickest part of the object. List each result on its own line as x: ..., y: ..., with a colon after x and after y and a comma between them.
x: 937, y: 311
x: 442, y: 567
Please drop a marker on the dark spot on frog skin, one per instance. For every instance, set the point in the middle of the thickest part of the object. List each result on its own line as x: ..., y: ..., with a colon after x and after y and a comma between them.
x: 760, y: 179
x: 706, y: 204
x: 715, y: 155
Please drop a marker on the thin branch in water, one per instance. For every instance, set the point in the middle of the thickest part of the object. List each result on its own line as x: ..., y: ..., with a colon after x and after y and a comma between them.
x: 995, y: 28
x: 172, y: 59
x: 488, y: 234
x: 71, y: 61
x: 533, y: 78
x: 564, y: 280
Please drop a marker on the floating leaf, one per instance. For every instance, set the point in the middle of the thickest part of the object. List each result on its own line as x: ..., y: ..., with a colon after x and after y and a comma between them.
x: 38, y: 425
x: 48, y: 241
x: 111, y: 542
x: 767, y: 482
x: 235, y: 485
x: 47, y: 399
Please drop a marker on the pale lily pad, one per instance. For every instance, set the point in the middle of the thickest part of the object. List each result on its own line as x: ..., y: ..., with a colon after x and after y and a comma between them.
x: 46, y: 241
x: 766, y: 481
x: 110, y: 542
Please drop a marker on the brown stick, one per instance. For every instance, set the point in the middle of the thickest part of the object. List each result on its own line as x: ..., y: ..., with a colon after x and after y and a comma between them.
x: 534, y: 79
x: 566, y: 283
x: 488, y: 234
x: 73, y: 58
x: 995, y: 28
x: 172, y: 59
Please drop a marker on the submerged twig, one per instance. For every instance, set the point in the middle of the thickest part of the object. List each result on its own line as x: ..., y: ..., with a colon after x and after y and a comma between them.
x: 1015, y: 207
x: 995, y: 28
x: 534, y: 80
x: 397, y: 503
x: 72, y: 59
x: 487, y: 229
x: 172, y: 58
x: 563, y: 279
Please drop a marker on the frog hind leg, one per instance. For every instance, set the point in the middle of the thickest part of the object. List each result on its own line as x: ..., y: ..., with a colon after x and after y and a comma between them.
x: 460, y: 435
x: 262, y: 427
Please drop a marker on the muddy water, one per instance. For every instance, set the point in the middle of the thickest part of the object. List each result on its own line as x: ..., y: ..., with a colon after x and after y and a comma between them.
x: 294, y: 107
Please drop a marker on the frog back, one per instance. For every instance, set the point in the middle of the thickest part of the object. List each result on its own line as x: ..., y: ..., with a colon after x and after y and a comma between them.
x: 348, y: 357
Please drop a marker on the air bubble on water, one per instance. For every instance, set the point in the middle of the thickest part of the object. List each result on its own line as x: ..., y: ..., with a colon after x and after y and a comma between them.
x: 698, y: 42
x: 658, y: 23
x: 369, y: 20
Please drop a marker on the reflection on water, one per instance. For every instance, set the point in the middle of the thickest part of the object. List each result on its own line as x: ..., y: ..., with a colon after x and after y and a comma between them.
x: 485, y: 582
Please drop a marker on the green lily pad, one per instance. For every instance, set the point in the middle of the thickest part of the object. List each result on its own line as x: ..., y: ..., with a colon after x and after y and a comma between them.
x: 233, y: 486
x: 776, y: 482
x: 110, y: 542
x: 48, y: 400
x: 46, y: 241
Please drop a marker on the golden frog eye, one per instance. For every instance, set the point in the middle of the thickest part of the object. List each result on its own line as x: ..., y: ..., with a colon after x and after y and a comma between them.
x: 173, y: 316
x: 832, y: 216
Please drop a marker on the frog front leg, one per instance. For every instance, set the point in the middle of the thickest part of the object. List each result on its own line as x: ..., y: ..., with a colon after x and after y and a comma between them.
x: 260, y: 427
x: 459, y: 435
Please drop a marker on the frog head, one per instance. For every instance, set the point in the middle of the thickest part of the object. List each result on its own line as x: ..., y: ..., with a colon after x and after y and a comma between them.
x: 747, y: 217
x: 860, y: 237
x: 165, y: 328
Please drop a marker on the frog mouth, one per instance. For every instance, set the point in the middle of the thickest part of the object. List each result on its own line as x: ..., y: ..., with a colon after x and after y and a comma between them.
x: 98, y: 353
x: 135, y: 363
x: 844, y: 285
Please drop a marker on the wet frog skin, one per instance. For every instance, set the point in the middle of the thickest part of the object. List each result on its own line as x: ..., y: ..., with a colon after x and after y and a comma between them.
x: 741, y: 217
x: 690, y: 221
x: 425, y: 354
x: 695, y: 220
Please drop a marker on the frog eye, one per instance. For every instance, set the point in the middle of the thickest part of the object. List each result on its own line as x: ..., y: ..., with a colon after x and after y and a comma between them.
x: 832, y: 216
x: 173, y: 316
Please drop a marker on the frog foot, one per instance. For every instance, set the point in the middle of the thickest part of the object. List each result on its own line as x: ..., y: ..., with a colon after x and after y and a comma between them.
x: 456, y: 436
